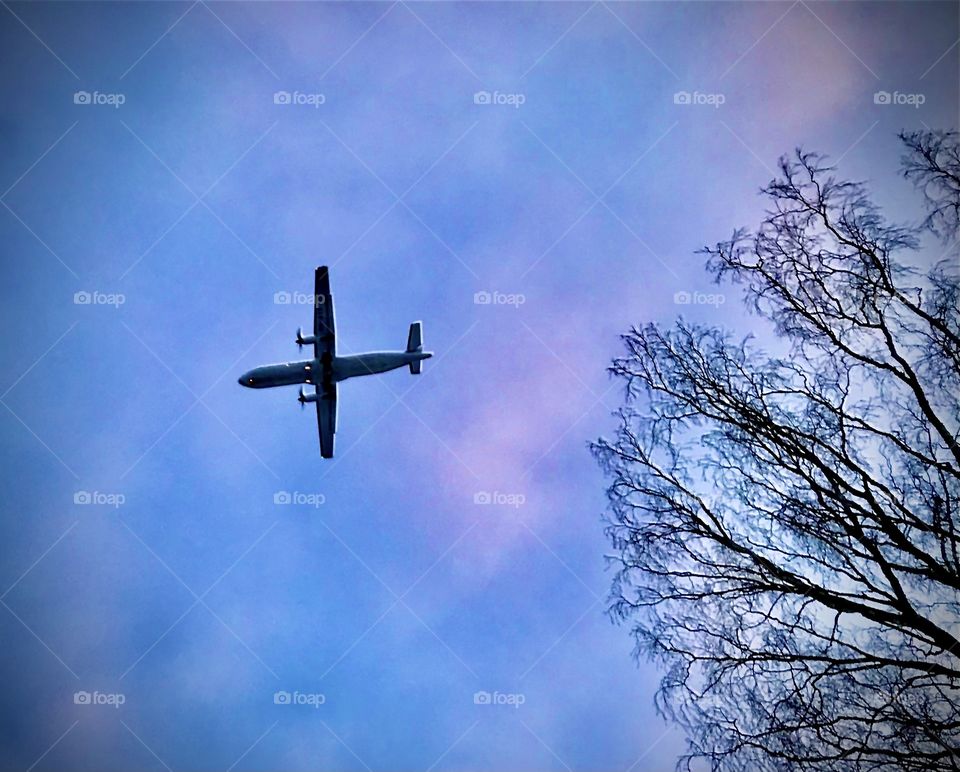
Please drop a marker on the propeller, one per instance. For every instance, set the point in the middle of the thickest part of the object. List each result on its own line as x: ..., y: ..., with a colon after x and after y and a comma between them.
x: 302, y: 398
x: 300, y: 340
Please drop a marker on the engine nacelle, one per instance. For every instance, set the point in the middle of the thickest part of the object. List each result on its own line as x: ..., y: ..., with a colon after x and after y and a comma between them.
x: 303, y: 340
x: 304, y: 398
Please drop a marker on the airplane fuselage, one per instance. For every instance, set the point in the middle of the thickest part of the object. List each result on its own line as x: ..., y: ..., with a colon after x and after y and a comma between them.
x: 329, y: 369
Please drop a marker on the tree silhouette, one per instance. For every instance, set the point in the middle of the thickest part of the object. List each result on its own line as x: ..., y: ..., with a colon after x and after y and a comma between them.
x: 785, y: 525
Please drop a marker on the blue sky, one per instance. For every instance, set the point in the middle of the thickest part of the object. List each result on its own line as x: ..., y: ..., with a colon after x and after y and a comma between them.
x: 184, y: 587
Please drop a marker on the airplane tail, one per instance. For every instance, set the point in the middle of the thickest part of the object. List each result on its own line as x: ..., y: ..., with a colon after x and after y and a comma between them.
x: 415, y: 344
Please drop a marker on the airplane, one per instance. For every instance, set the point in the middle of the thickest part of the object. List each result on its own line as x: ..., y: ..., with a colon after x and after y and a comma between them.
x: 326, y: 369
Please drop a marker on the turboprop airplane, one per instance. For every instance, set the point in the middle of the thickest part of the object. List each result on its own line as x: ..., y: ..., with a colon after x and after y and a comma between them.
x: 326, y: 369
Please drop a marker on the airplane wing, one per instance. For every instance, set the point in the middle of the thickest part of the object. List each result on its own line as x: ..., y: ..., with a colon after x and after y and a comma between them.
x: 327, y: 419
x: 323, y: 322
x: 324, y: 329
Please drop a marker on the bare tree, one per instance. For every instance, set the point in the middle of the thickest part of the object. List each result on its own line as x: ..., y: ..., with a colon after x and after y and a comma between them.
x: 933, y: 164
x: 785, y: 524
